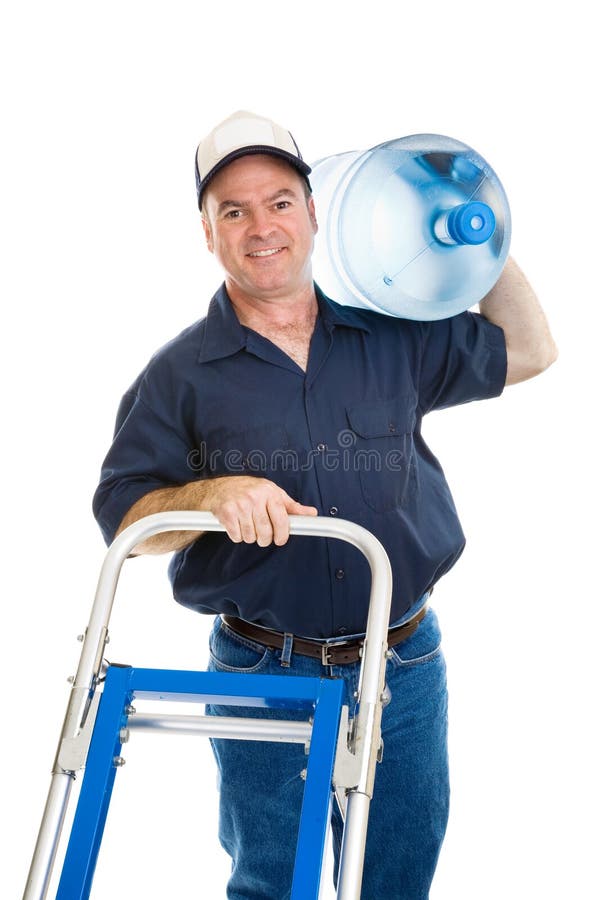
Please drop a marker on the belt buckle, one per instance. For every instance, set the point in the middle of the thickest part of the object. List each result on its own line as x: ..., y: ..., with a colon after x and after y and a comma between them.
x: 325, y: 651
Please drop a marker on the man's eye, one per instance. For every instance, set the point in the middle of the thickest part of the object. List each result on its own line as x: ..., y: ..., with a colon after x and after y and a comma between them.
x: 282, y: 204
x: 233, y: 214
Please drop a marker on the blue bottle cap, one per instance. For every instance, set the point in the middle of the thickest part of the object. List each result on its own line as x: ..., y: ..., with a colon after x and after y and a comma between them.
x: 471, y: 223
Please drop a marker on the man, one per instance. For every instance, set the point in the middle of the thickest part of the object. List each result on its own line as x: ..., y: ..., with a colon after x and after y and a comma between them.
x: 281, y: 402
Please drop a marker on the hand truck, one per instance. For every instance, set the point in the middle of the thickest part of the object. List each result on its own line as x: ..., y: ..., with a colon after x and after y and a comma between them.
x: 100, y: 717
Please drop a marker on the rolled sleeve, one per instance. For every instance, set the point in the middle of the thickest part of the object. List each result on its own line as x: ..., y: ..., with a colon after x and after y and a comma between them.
x: 146, y: 454
x: 463, y: 359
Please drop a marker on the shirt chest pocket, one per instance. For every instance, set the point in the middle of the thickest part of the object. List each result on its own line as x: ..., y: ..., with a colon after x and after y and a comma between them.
x: 384, y: 453
x: 262, y: 451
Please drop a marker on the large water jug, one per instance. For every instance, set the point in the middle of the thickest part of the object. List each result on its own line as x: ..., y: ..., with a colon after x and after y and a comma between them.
x: 417, y: 227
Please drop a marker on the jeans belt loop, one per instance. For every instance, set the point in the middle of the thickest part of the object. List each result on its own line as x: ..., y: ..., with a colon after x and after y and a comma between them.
x: 286, y: 652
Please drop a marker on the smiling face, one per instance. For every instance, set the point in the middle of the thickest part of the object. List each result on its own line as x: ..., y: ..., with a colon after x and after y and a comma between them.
x: 261, y: 227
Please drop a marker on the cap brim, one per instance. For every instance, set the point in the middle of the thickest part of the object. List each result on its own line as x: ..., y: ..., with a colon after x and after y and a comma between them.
x: 301, y: 167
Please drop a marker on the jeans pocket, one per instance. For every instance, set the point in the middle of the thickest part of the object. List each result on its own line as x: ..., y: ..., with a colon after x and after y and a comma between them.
x: 422, y: 646
x: 230, y: 652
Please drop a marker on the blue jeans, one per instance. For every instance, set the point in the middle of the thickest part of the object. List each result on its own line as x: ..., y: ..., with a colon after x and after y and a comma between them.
x: 261, y: 784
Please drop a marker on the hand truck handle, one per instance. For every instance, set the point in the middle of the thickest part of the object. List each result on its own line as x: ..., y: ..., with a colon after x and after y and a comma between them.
x: 366, y: 732
x: 319, y: 526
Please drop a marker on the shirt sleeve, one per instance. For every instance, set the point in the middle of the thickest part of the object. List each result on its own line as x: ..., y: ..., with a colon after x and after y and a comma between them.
x: 147, y: 453
x: 463, y: 358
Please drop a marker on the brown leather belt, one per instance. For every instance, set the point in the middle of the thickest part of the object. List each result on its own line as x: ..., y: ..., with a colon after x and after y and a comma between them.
x: 331, y: 654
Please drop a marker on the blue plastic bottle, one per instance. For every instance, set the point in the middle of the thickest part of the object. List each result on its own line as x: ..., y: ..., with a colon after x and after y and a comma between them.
x: 417, y: 227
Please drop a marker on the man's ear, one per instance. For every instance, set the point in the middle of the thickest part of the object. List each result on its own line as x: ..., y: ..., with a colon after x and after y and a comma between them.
x: 313, y: 214
x: 208, y: 233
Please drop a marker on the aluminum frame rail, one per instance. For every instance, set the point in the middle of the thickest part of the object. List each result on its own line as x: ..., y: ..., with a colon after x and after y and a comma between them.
x: 355, y: 762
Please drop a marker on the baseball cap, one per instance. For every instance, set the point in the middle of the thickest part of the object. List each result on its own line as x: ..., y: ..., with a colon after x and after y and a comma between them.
x: 241, y: 134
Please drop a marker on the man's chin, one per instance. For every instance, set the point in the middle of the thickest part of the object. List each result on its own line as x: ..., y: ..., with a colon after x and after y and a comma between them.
x: 267, y: 287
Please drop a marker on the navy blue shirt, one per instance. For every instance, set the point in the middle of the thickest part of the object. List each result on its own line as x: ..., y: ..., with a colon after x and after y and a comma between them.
x: 344, y: 436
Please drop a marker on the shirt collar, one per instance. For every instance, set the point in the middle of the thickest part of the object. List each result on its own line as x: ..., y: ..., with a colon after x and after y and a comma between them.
x: 334, y: 314
x: 224, y: 335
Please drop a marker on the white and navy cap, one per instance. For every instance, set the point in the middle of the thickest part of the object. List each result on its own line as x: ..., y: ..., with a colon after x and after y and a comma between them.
x: 242, y: 134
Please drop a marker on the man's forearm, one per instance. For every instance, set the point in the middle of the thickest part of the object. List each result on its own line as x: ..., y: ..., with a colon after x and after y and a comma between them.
x: 513, y: 305
x: 187, y: 496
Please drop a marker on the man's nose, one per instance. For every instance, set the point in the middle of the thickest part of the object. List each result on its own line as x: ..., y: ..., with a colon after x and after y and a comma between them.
x: 261, y: 222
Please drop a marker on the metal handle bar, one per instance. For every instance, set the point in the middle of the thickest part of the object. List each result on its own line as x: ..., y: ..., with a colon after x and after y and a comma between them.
x: 371, y: 681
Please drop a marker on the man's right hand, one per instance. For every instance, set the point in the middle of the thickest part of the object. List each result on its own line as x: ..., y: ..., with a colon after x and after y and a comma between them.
x: 252, y: 509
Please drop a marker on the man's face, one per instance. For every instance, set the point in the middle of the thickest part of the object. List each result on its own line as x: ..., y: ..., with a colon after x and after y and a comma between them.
x: 260, y: 227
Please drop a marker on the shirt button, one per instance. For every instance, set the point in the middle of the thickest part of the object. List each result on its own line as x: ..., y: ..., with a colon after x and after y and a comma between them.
x: 333, y: 510
x: 342, y: 631
x: 392, y: 427
x: 321, y: 447
x: 339, y: 574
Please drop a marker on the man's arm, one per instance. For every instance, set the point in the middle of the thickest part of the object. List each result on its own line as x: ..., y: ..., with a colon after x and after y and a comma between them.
x: 251, y: 509
x: 513, y: 306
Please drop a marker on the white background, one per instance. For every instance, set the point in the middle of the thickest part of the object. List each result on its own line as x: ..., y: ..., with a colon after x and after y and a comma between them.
x: 103, y: 261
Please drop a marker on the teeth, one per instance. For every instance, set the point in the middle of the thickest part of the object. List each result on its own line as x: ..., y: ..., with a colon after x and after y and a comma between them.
x: 265, y: 252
